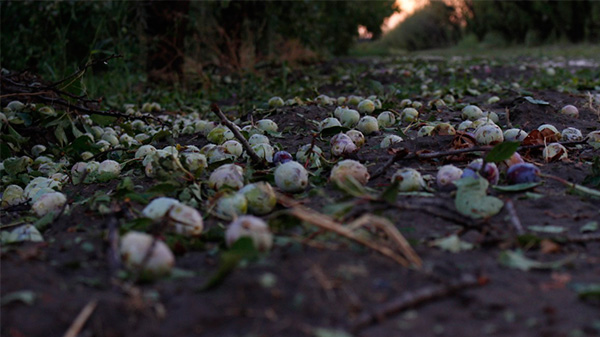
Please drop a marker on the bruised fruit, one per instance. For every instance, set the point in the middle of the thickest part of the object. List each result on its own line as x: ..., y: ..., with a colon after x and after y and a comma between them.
x: 281, y: 157
x: 409, y: 180
x: 228, y: 175
x: 490, y: 172
x: 523, y: 173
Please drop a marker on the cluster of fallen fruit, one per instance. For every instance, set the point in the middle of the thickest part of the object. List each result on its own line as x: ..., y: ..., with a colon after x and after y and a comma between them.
x: 144, y: 253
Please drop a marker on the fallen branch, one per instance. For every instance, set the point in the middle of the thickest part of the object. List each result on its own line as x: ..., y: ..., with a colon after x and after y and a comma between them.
x: 583, y: 238
x: 514, y: 217
x: 327, y: 223
x: 112, y: 253
x: 217, y: 111
x: 397, y: 156
x: 443, y: 213
x: 415, y: 298
x: 402, y: 154
x: 80, y: 320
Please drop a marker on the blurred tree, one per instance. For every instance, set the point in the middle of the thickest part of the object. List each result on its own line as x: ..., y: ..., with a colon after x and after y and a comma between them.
x: 54, y: 37
x: 241, y: 32
x: 575, y: 21
x: 166, y: 23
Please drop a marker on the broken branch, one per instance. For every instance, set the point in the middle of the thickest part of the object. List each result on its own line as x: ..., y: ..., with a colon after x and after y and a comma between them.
x: 217, y: 111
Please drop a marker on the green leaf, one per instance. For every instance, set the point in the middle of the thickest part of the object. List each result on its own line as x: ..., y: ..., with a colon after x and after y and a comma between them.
x: 473, y: 92
x: 547, y: 229
x: 241, y: 249
x: 165, y: 188
x: 160, y: 135
x: 61, y: 136
x: 44, y: 221
x: 4, y: 151
x: 16, y: 136
x: 352, y: 187
x: 14, y: 166
x: 25, y: 296
x: 502, y: 152
x: 140, y: 224
x: 81, y: 144
x: 535, y: 101
x: 334, y: 130
x: 452, y: 244
x: 585, y: 191
x: 326, y: 332
x: 591, y: 226
x: 532, y: 196
x: 516, y: 187
x: 26, y: 117
x: 103, y: 120
x: 586, y: 290
x: 178, y: 273
x: 516, y: 259
x: 391, y: 192
x: 338, y: 210
x: 376, y: 87
x: 471, y: 198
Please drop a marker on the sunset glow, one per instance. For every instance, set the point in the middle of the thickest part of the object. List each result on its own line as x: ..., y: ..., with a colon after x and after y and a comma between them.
x: 407, y: 7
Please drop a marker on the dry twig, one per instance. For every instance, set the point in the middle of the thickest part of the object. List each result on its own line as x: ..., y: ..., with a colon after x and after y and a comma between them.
x: 327, y: 223
x: 514, y: 217
x: 412, y: 299
x: 80, y: 320
x: 403, y: 155
x: 217, y: 111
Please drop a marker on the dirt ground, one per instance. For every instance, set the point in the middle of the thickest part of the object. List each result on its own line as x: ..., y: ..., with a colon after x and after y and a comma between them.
x: 322, y: 285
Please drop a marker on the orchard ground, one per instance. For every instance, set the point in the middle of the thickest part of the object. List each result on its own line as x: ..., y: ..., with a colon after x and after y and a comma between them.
x: 544, y: 281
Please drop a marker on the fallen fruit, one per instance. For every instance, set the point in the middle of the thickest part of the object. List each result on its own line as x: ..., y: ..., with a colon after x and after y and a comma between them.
x: 409, y: 180
x: 252, y: 227
x: 522, y: 173
x: 446, y: 176
x: 349, y: 167
x: 291, y: 177
x: 141, y: 252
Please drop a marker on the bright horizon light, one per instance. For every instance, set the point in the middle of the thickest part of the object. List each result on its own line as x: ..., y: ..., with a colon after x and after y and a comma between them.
x: 407, y: 7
